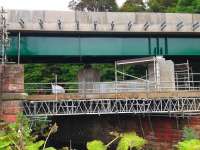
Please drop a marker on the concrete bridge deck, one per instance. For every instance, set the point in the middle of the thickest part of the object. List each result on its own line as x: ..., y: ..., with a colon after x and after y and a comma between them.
x: 63, y: 21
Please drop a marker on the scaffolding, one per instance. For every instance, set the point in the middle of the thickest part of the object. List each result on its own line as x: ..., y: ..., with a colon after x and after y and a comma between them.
x: 120, y: 97
x: 4, y: 40
x: 180, y: 106
x: 183, y: 76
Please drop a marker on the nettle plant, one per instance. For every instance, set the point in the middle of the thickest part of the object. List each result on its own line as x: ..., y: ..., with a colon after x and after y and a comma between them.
x: 17, y: 136
x: 127, y: 141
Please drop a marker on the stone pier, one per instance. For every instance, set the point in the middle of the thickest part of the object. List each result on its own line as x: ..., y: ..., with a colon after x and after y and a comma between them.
x: 11, y: 91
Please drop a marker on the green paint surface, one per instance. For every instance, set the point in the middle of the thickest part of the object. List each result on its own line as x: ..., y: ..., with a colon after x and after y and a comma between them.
x: 103, y: 46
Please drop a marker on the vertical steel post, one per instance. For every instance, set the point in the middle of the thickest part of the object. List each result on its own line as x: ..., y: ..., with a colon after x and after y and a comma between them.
x: 56, y: 81
x: 116, y: 79
x: 19, y: 48
x: 188, y: 67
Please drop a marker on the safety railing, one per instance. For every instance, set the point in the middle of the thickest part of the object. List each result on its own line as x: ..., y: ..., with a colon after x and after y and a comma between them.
x: 87, y: 88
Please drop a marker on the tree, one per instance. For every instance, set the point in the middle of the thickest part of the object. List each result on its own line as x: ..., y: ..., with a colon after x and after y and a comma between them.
x: 162, y: 5
x: 93, y: 5
x: 189, y: 6
x: 133, y: 6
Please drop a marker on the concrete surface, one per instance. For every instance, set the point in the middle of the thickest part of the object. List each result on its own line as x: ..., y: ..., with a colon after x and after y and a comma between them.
x: 103, y: 19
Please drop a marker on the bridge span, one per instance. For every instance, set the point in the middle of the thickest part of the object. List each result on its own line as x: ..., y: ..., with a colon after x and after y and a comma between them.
x: 53, y: 36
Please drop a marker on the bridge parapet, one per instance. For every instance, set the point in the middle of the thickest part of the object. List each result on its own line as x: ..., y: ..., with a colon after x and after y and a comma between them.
x: 63, y: 21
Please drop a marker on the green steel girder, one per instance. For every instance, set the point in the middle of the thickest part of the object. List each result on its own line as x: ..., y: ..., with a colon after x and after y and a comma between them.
x: 76, y: 47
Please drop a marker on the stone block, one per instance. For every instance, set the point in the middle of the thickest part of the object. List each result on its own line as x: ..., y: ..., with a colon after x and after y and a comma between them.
x: 12, y: 78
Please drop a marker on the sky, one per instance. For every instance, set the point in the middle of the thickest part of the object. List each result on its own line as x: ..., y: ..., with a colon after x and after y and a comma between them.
x: 40, y: 4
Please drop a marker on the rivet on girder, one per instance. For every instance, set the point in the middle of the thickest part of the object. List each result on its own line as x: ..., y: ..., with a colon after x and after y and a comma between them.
x: 95, y: 25
x: 146, y: 25
x: 112, y: 25
x: 179, y: 26
x: 59, y: 24
x: 195, y: 26
x: 21, y: 23
x: 41, y: 23
x: 77, y: 25
x: 163, y: 25
x: 130, y: 24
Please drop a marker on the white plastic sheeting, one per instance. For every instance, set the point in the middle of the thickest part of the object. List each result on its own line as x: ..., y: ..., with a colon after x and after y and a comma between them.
x: 57, y: 89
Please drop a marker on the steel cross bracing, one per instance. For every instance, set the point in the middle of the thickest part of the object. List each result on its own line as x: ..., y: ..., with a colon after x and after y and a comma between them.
x: 162, y: 106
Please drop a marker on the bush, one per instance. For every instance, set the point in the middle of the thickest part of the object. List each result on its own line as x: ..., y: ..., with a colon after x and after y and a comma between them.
x: 193, y: 144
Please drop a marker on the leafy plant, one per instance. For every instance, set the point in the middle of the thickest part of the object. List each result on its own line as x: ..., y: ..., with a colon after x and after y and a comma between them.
x: 193, y: 144
x: 191, y: 141
x: 131, y: 140
x: 189, y: 134
x: 96, y: 145
x: 17, y: 136
x: 127, y: 141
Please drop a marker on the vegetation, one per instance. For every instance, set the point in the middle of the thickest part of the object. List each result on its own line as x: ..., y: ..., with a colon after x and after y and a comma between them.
x: 193, y: 144
x: 131, y: 140
x: 190, y: 141
x: 127, y: 141
x: 133, y: 5
x: 18, y: 136
x: 162, y: 5
x: 96, y: 145
x: 189, y: 134
x: 93, y: 5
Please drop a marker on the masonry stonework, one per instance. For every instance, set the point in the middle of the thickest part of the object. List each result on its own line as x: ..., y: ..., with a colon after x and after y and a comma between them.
x: 11, y: 91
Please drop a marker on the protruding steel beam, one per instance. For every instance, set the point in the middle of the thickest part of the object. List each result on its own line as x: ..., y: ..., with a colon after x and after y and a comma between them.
x: 179, y: 25
x: 130, y: 24
x: 146, y: 25
x: 59, y: 24
x: 77, y: 25
x: 195, y: 26
x: 95, y: 25
x: 112, y: 25
x: 21, y: 23
x: 41, y: 24
x: 163, y: 25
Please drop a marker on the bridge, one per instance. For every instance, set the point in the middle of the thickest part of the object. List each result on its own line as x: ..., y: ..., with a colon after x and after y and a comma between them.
x: 43, y: 36
x: 168, y: 89
x: 78, y: 37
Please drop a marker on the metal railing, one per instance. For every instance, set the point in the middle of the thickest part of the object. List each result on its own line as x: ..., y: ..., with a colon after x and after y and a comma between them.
x: 89, y: 103
x: 86, y: 88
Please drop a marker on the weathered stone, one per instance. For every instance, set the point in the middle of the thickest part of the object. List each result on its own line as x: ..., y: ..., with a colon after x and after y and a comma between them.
x: 13, y: 96
x: 11, y: 91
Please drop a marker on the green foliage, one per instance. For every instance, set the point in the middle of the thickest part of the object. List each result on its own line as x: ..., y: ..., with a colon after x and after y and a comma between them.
x: 129, y: 141
x: 189, y: 6
x: 96, y: 145
x: 162, y: 5
x: 189, y: 145
x: 17, y: 136
x: 94, y: 5
x: 133, y: 6
x: 189, y: 134
x: 45, y: 73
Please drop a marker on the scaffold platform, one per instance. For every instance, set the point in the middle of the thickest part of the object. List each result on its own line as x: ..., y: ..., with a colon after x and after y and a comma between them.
x: 179, y: 106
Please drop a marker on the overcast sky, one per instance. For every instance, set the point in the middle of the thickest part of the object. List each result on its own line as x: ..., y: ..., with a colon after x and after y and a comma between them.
x: 40, y: 4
